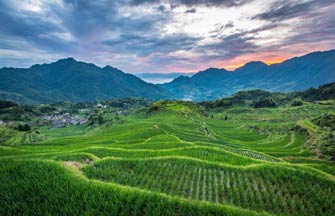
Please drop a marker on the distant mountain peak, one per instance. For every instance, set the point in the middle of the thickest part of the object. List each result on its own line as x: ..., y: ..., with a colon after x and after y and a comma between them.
x: 211, y: 70
x: 69, y: 59
x: 255, y: 63
x: 252, y: 65
x: 182, y: 77
x: 108, y: 67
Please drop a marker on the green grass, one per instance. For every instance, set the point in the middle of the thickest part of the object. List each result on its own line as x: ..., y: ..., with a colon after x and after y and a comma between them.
x: 276, y: 189
x: 172, y: 161
x: 31, y: 187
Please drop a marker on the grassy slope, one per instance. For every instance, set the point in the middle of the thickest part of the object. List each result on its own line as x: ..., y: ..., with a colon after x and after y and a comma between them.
x: 53, y: 189
x: 262, y: 164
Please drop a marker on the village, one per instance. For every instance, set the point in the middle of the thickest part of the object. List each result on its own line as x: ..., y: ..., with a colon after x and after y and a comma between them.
x: 62, y: 120
x: 65, y: 114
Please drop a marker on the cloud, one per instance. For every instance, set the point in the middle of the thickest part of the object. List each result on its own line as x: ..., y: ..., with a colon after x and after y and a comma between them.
x: 190, y: 3
x: 281, y: 10
x: 192, y: 10
x: 161, y: 8
x: 37, y: 24
x: 143, y: 45
x: 161, y: 35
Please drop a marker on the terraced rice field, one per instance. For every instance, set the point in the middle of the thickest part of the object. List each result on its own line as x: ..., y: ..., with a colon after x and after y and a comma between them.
x: 173, y: 162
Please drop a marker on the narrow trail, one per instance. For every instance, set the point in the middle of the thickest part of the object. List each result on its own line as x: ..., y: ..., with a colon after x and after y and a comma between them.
x: 292, y: 139
x: 314, y: 137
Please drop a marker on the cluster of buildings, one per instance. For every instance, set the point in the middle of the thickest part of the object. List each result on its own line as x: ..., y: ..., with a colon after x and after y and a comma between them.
x: 62, y: 120
x: 7, y: 123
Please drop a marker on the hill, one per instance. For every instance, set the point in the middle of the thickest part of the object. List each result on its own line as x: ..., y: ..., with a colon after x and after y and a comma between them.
x: 71, y: 80
x: 299, y: 73
x: 172, y: 158
x: 251, y: 97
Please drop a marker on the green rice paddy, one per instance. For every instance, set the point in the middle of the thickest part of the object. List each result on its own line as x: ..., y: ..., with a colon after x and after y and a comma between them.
x: 173, y: 161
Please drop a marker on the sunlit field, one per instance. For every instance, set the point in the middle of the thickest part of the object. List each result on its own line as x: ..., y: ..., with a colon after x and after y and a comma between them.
x: 174, y: 160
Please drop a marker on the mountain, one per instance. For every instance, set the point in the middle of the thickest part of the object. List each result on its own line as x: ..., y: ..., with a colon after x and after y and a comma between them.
x: 257, y: 97
x: 71, y: 80
x: 299, y: 73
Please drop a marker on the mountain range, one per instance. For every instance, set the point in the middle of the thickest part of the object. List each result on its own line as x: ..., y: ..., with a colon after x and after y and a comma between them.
x: 75, y: 81
x: 71, y: 80
x: 299, y: 73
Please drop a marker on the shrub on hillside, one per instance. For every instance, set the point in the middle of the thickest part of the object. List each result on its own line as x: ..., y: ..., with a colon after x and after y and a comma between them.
x: 297, y: 102
x: 6, y: 104
x: 327, y: 146
x: 266, y: 102
x: 326, y: 120
x: 96, y: 118
x: 223, y: 103
x: 22, y: 127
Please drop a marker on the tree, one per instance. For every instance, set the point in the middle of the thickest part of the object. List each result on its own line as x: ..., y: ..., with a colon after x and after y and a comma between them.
x: 23, y: 127
x: 266, y: 102
x: 327, y: 146
x: 297, y: 102
x: 6, y: 104
x: 96, y: 118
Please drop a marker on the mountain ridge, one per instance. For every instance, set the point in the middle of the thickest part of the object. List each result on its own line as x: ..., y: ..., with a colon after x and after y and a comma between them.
x: 298, y: 73
x: 71, y: 80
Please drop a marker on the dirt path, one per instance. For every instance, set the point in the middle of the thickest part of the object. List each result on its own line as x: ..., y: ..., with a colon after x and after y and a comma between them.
x: 314, y: 137
x: 72, y: 164
x: 292, y: 139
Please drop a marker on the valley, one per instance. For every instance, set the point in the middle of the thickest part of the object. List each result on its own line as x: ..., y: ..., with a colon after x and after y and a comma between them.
x: 175, y: 158
x: 167, y: 108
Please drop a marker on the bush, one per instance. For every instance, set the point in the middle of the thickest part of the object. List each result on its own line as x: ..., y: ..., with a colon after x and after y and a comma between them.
x: 297, y: 103
x: 266, y: 102
x: 154, y: 107
x: 327, y: 146
x: 222, y: 103
x: 96, y: 119
x: 23, y: 127
x: 47, y: 108
x: 6, y: 104
x: 326, y: 120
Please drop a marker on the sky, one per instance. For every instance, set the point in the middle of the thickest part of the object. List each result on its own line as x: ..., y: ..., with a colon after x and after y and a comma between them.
x: 139, y: 36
